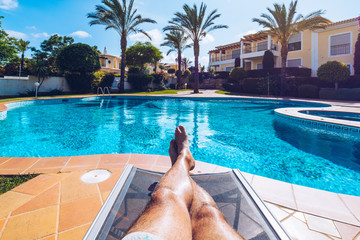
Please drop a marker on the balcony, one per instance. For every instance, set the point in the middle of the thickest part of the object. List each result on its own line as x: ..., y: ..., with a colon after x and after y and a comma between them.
x: 224, y: 58
x: 249, y: 52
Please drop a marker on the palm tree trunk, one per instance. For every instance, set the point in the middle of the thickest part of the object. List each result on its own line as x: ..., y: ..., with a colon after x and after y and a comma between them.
x: 179, y: 73
x: 123, y: 62
x: 196, y: 77
x: 22, y: 62
x: 284, y: 53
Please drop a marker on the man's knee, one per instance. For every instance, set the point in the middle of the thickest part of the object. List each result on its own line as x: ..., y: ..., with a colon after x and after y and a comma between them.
x: 162, y: 195
x: 207, y: 211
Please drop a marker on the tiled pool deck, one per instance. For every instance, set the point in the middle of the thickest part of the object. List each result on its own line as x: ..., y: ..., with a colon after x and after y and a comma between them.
x: 58, y: 205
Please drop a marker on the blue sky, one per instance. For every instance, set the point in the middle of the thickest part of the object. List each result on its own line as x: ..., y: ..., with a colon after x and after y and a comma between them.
x: 36, y: 20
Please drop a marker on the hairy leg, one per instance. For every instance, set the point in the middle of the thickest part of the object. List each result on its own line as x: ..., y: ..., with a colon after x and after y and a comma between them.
x: 207, y: 220
x: 167, y: 213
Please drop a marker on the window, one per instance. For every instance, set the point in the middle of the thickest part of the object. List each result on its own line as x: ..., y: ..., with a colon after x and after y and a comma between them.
x: 294, y: 62
x: 340, y: 44
x: 295, y: 42
x: 261, y: 46
x: 259, y: 66
x: 235, y: 54
x: 228, y: 69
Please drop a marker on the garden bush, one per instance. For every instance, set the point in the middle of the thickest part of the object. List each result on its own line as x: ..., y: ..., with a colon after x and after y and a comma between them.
x: 290, y: 71
x: 334, y: 72
x: 348, y: 94
x: 308, y: 91
x: 80, y: 83
x: 237, y: 74
x: 139, y: 81
x: 107, y: 80
x: 56, y: 92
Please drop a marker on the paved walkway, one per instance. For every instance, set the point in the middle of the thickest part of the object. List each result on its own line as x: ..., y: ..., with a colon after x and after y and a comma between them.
x: 58, y: 205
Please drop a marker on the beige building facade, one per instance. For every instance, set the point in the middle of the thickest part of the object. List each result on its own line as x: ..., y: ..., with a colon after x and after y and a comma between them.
x: 110, y: 63
x: 308, y: 49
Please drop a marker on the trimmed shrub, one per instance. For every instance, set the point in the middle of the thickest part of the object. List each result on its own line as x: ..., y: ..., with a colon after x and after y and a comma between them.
x: 268, y: 60
x: 334, y: 72
x: 107, y: 80
x: 237, y: 74
x: 56, y: 92
x: 80, y: 83
x: 308, y: 91
x: 158, y: 78
x: 357, y: 56
x: 139, y: 81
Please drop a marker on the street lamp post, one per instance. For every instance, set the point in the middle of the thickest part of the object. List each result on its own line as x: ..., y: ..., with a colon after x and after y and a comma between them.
x: 37, y: 84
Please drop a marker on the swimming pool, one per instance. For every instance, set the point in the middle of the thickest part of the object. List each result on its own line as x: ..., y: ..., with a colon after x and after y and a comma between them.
x: 336, y: 115
x: 240, y: 134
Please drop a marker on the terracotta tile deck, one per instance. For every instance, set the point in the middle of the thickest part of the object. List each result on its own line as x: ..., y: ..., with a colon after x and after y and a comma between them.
x: 59, y: 205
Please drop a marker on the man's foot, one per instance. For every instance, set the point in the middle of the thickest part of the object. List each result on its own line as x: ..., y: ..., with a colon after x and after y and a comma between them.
x: 182, y: 146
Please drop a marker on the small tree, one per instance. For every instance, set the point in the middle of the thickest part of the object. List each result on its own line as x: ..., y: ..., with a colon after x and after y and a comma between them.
x: 237, y: 74
x: 357, y: 56
x: 268, y: 60
x: 79, y: 59
x: 142, y: 53
x: 333, y: 71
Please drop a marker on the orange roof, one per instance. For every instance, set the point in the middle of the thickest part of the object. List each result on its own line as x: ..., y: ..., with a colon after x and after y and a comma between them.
x: 342, y: 22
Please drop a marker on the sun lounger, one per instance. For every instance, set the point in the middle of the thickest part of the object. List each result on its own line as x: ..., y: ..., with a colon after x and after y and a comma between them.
x: 241, y: 206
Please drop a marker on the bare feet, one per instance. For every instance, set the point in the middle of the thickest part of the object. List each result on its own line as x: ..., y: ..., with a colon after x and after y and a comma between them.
x: 179, y: 148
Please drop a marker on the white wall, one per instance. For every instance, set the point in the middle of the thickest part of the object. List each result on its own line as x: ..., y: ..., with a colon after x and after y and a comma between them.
x: 11, y: 86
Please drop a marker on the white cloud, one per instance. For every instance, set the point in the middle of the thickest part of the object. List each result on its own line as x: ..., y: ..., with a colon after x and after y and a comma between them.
x: 40, y: 35
x: 169, y: 58
x: 31, y: 27
x: 16, y: 34
x: 8, y: 4
x: 80, y: 34
x: 208, y: 39
x: 155, y: 34
x: 241, y: 35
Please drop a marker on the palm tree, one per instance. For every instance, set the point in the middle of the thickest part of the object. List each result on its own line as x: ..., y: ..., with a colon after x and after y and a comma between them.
x: 186, y: 62
x: 124, y: 20
x: 22, y: 46
x: 176, y: 41
x: 282, y: 24
x: 195, y: 25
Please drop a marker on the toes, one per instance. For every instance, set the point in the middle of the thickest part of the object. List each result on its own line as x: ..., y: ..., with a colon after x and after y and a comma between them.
x: 182, y: 129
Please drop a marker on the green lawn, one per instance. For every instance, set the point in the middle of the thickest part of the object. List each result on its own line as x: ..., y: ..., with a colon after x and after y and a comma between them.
x: 170, y: 91
x: 9, y: 182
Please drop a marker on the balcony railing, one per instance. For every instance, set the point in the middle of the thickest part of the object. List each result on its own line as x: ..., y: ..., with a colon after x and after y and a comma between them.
x: 223, y: 58
x: 340, y: 49
x: 249, y: 49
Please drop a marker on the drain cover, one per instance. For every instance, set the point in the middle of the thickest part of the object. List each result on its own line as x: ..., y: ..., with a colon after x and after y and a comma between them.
x: 95, y: 176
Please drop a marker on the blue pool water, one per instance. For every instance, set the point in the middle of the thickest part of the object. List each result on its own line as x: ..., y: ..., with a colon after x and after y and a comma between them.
x: 242, y: 134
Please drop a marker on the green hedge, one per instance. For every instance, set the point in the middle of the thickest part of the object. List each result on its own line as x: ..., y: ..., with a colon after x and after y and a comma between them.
x: 308, y: 91
x: 139, y: 81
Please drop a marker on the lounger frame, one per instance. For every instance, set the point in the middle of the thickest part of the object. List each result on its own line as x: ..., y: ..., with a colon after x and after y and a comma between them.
x: 129, y: 172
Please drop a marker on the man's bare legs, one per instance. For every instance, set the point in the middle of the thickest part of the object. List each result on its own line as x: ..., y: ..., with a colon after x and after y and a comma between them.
x: 167, y: 214
x: 206, y: 219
